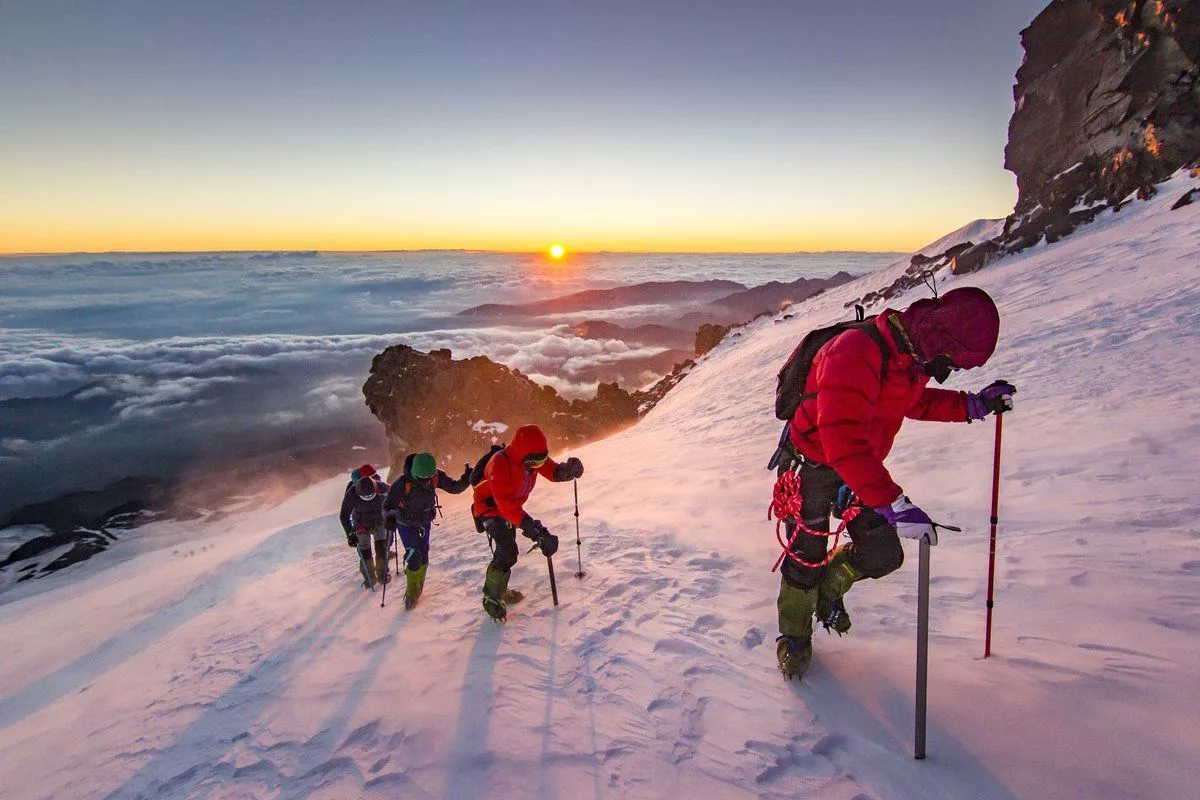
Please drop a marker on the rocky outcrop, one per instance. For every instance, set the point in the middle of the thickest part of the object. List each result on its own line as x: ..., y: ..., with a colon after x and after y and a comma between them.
x: 1107, y: 103
x: 709, y: 336
x: 1107, y: 106
x: 457, y: 408
x: 81, y: 524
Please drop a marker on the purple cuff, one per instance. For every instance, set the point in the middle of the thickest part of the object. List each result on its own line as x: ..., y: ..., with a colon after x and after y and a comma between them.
x: 976, y: 407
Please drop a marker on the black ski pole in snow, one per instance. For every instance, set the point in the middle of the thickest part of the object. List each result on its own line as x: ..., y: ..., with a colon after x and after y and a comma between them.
x: 387, y: 545
x: 553, y: 583
x: 578, y: 543
x: 922, y: 647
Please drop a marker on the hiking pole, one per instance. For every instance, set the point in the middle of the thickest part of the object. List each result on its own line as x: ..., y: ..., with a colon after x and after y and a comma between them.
x: 922, y: 648
x: 987, y: 634
x: 553, y: 583
x: 398, y: 554
x: 578, y: 543
x: 387, y: 546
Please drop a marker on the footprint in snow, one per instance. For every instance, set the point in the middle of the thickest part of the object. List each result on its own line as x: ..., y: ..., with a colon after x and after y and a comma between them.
x: 752, y: 639
x: 708, y: 622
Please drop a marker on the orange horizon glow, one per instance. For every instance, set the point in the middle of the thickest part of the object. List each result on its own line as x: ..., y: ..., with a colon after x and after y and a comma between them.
x: 883, y: 239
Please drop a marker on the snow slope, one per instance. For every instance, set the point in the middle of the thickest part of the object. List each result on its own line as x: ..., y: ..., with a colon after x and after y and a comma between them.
x: 255, y: 666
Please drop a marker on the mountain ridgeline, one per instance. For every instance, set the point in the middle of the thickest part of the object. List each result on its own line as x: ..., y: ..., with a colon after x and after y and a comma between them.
x: 458, y: 408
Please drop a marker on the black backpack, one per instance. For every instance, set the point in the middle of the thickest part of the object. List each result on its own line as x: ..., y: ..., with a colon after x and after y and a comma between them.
x: 793, y: 375
x: 481, y: 464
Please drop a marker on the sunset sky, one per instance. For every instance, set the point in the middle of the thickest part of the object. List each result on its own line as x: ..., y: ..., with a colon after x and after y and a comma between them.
x: 621, y: 125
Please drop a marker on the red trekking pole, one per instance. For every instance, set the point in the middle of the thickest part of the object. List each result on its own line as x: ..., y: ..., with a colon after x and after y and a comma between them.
x: 987, y: 636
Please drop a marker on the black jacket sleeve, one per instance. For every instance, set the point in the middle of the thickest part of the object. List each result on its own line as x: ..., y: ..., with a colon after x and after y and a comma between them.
x: 347, y: 507
x: 448, y: 484
x: 391, y: 502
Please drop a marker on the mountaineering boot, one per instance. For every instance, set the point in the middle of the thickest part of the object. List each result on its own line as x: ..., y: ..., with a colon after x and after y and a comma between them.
x: 415, y: 582
x: 381, y: 568
x: 794, y: 656
x: 796, y: 607
x: 839, y: 577
x: 494, y: 587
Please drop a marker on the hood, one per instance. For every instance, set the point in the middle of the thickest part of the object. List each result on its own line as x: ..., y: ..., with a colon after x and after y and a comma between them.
x: 963, y: 324
x: 528, y: 439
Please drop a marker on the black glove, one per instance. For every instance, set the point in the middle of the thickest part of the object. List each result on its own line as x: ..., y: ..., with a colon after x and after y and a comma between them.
x: 569, y: 469
x: 548, y: 542
x: 351, y: 540
x: 466, y: 472
x: 531, y: 528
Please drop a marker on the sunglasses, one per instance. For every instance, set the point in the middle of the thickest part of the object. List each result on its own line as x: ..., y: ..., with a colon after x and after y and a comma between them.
x: 535, y: 460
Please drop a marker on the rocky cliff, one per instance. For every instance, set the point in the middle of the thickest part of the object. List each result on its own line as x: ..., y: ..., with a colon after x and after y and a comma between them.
x: 1107, y: 101
x: 1107, y: 105
x: 457, y: 408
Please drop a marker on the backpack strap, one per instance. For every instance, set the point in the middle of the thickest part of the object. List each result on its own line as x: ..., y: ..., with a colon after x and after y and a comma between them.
x: 869, y: 329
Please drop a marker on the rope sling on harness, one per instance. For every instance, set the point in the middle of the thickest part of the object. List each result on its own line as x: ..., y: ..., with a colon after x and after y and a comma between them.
x: 786, y: 501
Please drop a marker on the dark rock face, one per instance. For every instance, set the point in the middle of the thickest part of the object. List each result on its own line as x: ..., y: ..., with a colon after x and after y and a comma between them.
x: 86, y: 521
x: 1107, y: 106
x: 709, y: 336
x: 429, y: 401
x: 1107, y: 102
x: 974, y: 258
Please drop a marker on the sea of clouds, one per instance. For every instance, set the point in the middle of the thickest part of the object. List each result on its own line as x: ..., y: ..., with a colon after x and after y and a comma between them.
x: 138, y: 364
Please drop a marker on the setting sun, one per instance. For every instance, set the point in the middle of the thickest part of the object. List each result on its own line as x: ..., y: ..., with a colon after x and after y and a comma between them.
x: 557, y: 251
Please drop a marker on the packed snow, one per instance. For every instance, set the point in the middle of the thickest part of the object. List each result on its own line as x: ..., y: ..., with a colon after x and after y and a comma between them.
x: 247, y: 661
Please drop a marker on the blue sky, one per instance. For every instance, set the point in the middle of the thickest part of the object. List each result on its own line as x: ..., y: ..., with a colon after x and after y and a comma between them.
x: 616, y: 125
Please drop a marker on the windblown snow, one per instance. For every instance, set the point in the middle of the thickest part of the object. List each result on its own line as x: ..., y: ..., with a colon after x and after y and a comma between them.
x: 246, y: 661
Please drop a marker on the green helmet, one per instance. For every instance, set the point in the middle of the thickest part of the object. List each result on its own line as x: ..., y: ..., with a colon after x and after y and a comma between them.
x: 424, y: 465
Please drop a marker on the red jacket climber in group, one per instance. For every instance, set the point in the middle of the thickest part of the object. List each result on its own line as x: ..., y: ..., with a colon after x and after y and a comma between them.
x: 507, y: 480
x: 853, y: 405
x: 849, y: 419
x: 499, y: 505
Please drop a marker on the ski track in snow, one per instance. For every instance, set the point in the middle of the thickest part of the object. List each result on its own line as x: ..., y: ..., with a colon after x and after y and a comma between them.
x: 258, y: 667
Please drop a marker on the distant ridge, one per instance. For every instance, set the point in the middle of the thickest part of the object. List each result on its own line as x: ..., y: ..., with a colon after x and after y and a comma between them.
x: 597, y: 299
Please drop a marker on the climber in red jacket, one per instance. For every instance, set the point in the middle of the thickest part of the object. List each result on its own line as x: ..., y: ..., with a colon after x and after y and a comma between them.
x: 855, y: 399
x: 499, y: 505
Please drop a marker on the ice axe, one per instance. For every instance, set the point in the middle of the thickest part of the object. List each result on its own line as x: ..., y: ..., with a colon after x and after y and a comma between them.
x: 550, y: 566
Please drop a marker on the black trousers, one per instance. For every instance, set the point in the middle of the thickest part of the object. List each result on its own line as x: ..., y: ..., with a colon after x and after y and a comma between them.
x: 874, y: 549
x: 504, y: 539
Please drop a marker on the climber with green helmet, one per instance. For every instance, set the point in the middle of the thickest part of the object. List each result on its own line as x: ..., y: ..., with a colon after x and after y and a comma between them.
x: 410, y: 507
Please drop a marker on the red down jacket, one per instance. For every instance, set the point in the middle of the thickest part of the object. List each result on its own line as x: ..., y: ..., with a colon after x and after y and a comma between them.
x: 506, y: 483
x: 852, y: 421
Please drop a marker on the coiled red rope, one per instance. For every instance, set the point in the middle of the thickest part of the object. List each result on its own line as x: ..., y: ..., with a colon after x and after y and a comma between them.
x: 786, y: 501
